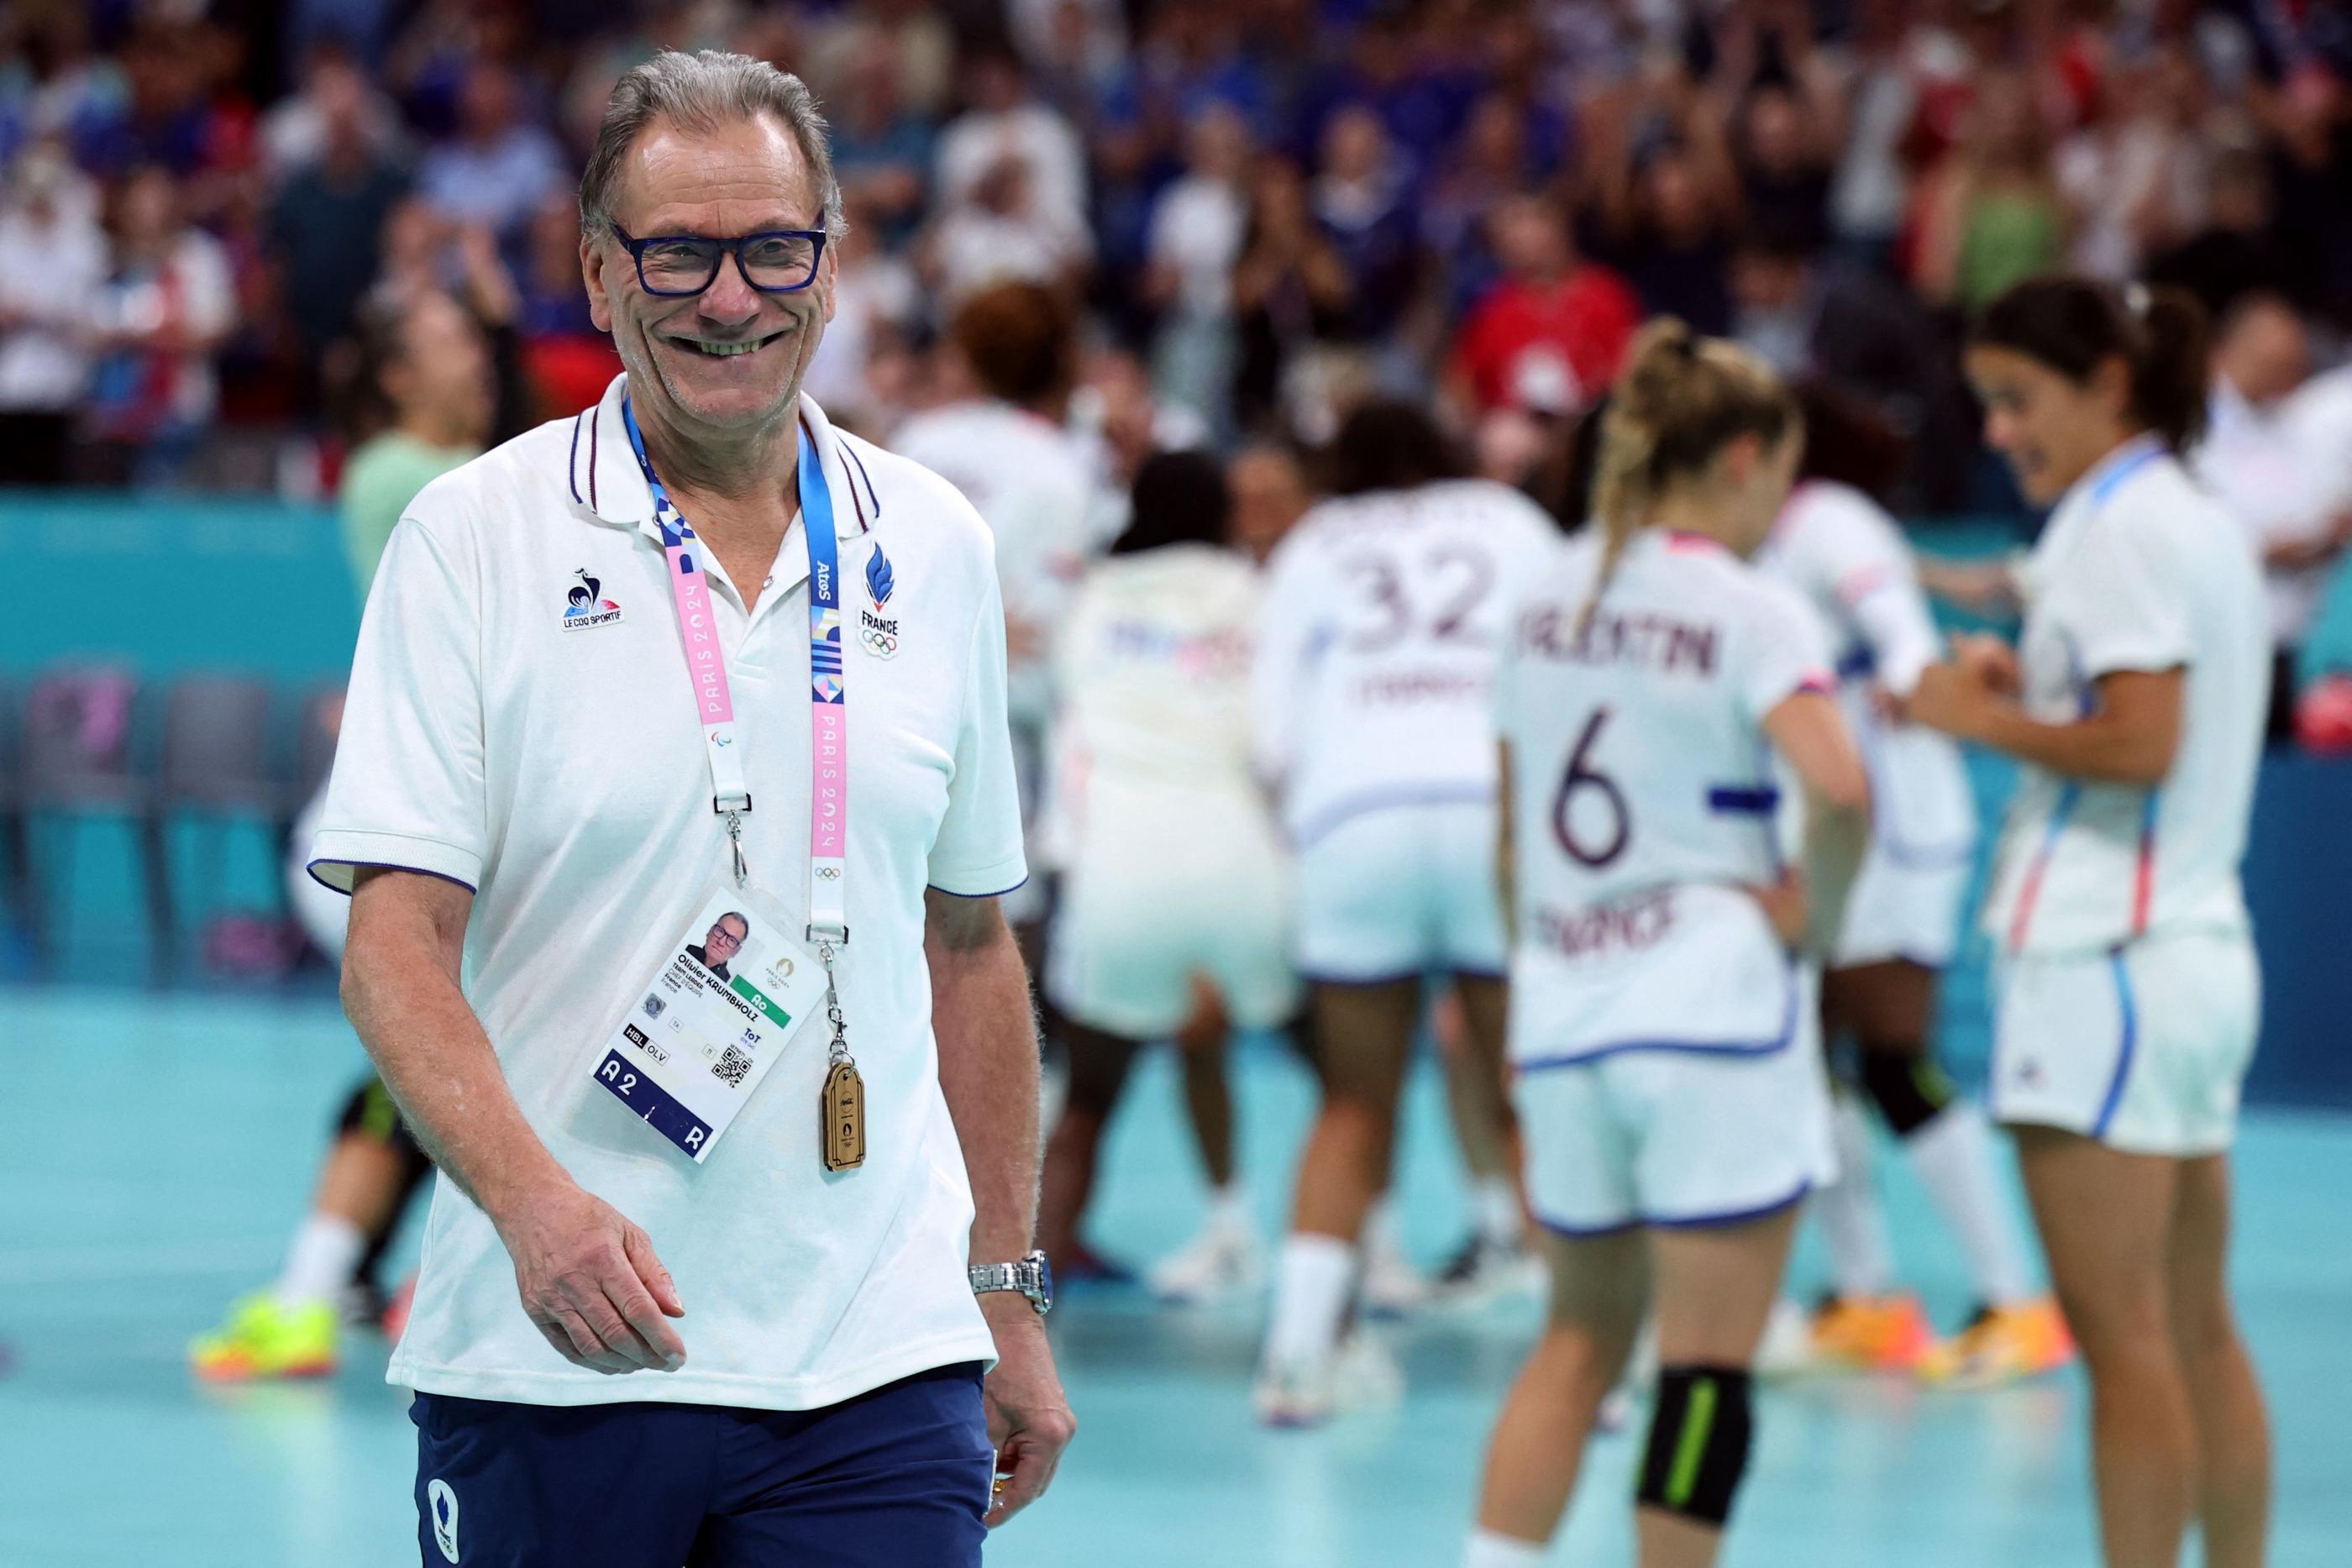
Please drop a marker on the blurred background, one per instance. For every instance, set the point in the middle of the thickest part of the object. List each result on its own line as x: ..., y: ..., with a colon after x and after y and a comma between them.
x: 229, y: 236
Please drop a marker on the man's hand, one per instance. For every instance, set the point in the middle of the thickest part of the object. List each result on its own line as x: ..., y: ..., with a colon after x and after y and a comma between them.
x: 1029, y: 1418
x: 590, y: 1281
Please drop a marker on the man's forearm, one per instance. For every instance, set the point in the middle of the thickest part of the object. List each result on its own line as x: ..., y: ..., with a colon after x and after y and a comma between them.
x: 987, y: 1033
x: 401, y: 992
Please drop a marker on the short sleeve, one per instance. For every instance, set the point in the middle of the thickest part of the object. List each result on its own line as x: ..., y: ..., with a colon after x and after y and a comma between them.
x: 407, y: 788
x: 1781, y: 650
x: 2131, y: 607
x: 978, y: 852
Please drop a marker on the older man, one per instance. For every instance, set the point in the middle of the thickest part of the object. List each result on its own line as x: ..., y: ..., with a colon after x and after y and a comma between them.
x: 574, y: 742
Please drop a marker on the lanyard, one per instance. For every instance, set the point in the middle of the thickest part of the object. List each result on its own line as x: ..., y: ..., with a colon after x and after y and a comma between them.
x: 828, y: 695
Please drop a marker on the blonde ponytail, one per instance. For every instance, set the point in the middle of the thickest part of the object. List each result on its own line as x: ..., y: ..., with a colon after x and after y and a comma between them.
x: 1680, y: 399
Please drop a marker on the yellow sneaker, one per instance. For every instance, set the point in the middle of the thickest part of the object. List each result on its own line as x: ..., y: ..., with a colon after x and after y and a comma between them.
x: 2002, y: 1345
x: 265, y: 1339
x: 1872, y: 1334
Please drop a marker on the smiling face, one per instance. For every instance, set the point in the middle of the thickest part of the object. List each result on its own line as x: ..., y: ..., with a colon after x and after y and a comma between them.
x: 728, y: 362
x: 2051, y: 429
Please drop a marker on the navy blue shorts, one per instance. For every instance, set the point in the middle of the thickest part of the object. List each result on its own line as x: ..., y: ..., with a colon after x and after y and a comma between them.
x: 896, y: 1477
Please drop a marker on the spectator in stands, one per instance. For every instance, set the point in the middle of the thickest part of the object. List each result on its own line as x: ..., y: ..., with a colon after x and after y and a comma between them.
x: 1197, y: 228
x: 1492, y: 161
x: 2141, y: 174
x: 326, y: 227
x: 1005, y: 231
x: 302, y: 129
x: 1878, y: 98
x: 2238, y: 252
x: 160, y: 118
x: 156, y: 323
x: 881, y: 149
x: 2312, y: 175
x: 566, y: 362
x: 1812, y: 319
x: 1361, y: 201
x: 1554, y: 320
x: 498, y: 166
x: 426, y: 399
x: 1004, y: 125
x: 2255, y: 459
x: 1991, y: 213
x: 52, y: 265
x: 1291, y: 292
x: 1663, y: 194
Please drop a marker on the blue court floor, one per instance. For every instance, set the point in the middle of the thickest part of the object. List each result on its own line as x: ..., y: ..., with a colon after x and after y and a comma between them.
x: 158, y: 1149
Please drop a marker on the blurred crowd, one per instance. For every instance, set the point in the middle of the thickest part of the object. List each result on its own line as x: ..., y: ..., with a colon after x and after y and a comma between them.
x: 1263, y: 208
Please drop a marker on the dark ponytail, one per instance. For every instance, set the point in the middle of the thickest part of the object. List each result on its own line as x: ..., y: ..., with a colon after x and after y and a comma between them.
x: 2074, y: 324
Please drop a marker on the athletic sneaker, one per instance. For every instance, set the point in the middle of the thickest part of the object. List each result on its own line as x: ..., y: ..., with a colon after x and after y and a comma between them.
x: 1485, y: 1271
x: 1360, y: 1374
x: 1787, y: 1348
x: 1391, y: 1286
x: 1872, y: 1334
x: 265, y: 1339
x: 1082, y: 1265
x: 1224, y: 1261
x: 2002, y: 1345
x: 395, y: 1321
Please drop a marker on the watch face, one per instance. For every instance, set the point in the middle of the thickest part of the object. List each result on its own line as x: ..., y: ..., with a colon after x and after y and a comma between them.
x: 1045, y: 1278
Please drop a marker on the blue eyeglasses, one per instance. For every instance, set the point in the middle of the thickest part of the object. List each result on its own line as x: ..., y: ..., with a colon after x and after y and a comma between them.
x: 781, y: 261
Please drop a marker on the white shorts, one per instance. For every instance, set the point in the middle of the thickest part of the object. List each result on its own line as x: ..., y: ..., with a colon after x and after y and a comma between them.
x: 2143, y: 1049
x: 1401, y: 892
x: 1152, y: 897
x: 1675, y: 1138
x: 1904, y: 908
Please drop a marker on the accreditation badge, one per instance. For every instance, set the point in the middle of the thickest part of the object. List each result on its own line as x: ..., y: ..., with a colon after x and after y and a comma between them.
x: 707, y: 1026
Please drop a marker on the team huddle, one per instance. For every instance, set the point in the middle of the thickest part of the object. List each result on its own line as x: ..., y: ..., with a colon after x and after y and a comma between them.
x: 1674, y: 814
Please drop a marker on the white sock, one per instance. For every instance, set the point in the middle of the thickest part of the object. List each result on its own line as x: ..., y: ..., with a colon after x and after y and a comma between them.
x: 1311, y: 1282
x: 1862, y: 1259
x: 1380, y: 1233
x: 1953, y: 1155
x: 1229, y: 1208
x: 1489, y: 1550
x: 319, y: 1264
x: 1495, y: 1206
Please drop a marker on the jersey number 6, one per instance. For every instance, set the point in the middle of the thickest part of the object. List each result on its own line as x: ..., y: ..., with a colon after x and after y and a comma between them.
x: 1582, y: 778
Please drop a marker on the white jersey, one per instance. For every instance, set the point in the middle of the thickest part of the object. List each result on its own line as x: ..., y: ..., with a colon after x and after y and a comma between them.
x: 1152, y: 670
x: 1376, y: 648
x: 2139, y: 569
x: 1643, y: 801
x: 1028, y: 480
x: 1840, y: 551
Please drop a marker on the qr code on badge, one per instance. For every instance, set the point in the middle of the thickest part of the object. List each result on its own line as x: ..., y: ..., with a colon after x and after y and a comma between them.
x: 733, y: 1066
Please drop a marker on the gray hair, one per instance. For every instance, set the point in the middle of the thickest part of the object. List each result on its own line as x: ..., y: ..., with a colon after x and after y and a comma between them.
x: 702, y: 92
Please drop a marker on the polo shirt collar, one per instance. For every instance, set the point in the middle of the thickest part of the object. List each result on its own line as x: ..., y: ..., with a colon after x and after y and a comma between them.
x: 605, y: 480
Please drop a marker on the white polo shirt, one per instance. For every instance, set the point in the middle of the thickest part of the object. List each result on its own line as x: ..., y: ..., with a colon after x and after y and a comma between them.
x: 2139, y: 569
x: 554, y: 763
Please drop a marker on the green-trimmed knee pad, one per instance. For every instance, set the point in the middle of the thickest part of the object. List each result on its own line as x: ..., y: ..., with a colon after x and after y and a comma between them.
x: 1909, y: 1091
x: 1699, y: 1437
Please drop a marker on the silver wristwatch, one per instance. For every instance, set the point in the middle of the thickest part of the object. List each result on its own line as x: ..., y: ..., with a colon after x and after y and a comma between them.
x: 1032, y: 1277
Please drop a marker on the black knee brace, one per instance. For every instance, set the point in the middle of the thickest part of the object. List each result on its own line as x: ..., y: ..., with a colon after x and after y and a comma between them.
x: 1698, y: 1442
x: 1909, y: 1091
